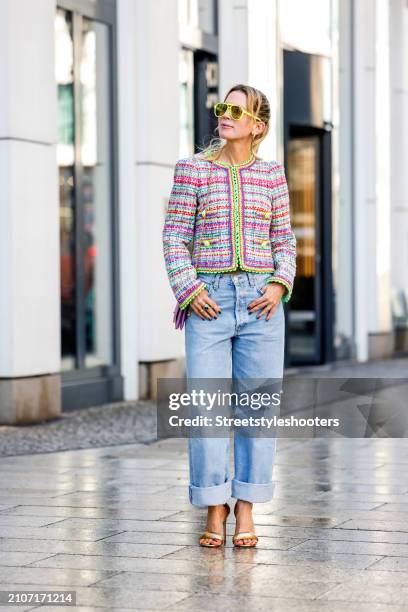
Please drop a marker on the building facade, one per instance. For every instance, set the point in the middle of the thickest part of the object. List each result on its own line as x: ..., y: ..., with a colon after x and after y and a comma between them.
x: 98, y: 100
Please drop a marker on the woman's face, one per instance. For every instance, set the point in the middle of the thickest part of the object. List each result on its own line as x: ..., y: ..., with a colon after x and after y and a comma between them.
x: 231, y: 129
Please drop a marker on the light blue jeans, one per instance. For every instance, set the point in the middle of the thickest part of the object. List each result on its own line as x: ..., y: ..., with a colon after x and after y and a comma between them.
x: 235, y: 345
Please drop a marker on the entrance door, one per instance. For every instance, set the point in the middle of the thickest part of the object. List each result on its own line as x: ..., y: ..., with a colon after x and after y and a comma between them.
x: 306, y: 312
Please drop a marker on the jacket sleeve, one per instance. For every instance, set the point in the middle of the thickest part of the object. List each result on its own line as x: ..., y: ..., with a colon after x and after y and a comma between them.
x: 178, y: 232
x: 283, y: 240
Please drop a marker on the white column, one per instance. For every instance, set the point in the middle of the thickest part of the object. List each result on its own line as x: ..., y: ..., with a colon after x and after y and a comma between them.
x: 128, y: 202
x: 29, y: 214
x: 249, y: 53
x: 399, y: 140
x: 343, y: 232
x: 157, y: 127
x: 371, y: 220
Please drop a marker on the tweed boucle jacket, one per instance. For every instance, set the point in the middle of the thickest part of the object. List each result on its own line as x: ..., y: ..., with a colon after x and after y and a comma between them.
x: 235, y: 216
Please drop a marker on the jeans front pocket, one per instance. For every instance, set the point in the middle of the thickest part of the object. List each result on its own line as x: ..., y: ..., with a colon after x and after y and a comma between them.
x: 260, y: 281
x: 208, y: 279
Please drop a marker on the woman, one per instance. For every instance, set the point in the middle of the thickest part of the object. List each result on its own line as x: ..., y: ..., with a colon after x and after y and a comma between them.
x: 234, y: 207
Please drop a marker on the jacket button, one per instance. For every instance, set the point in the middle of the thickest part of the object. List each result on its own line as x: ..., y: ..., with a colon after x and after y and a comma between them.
x: 203, y: 213
x: 264, y: 244
x: 267, y: 215
x: 206, y: 242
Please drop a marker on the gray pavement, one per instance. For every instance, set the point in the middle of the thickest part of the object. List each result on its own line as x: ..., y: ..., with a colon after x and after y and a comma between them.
x: 115, y: 525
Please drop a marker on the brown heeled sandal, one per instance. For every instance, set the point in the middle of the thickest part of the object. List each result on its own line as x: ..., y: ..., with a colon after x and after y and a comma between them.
x: 244, y: 535
x: 216, y: 536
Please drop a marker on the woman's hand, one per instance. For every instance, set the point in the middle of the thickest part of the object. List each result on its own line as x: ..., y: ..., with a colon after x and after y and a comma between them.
x: 272, y: 294
x: 197, y: 304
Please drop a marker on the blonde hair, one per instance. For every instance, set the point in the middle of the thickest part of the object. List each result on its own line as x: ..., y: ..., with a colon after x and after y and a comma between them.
x: 258, y: 104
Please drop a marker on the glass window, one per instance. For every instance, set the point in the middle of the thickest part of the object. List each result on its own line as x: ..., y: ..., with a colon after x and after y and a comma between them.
x: 65, y: 159
x: 84, y: 163
x: 96, y: 190
x: 303, y: 180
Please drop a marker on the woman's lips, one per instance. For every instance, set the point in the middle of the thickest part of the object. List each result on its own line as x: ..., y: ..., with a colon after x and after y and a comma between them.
x: 225, y: 126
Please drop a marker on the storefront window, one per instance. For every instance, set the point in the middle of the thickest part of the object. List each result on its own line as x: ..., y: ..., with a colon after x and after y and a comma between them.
x: 84, y: 163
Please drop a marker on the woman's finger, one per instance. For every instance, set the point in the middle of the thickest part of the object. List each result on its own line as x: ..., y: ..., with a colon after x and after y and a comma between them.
x: 214, y: 305
x: 198, y: 306
x: 270, y: 313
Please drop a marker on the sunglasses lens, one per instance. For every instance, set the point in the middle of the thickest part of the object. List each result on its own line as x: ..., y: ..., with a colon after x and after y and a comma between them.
x: 236, y: 112
x: 220, y: 109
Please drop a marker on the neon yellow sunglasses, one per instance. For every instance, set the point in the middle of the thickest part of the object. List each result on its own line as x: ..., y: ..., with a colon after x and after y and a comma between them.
x: 236, y: 111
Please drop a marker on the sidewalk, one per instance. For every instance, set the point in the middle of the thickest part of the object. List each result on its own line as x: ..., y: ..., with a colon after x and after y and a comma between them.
x: 115, y: 525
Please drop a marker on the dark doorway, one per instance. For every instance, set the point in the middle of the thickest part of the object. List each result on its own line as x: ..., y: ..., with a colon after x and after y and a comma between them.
x: 308, y: 168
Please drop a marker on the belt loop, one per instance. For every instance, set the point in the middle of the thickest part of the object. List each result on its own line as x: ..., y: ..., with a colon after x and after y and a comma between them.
x: 217, y: 280
x: 250, y: 278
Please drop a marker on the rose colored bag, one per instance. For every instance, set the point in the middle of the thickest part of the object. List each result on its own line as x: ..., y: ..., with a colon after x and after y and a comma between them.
x: 180, y: 316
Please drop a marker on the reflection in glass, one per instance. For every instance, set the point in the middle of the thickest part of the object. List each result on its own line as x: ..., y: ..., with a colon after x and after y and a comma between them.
x: 302, y: 183
x: 96, y: 191
x: 64, y: 64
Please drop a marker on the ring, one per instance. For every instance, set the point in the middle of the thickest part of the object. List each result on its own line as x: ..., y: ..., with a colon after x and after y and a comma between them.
x: 206, y: 306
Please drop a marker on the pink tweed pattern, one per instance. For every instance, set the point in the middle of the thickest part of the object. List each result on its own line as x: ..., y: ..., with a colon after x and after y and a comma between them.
x: 224, y: 217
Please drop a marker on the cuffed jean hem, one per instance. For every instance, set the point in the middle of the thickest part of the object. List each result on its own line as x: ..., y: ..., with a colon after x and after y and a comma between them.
x: 251, y: 492
x: 210, y: 496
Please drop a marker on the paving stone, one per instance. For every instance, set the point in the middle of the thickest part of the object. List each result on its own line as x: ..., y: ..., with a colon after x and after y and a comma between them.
x: 262, y: 519
x: 305, y: 573
x: 395, y: 564
x: 386, y: 594
x: 358, y: 548
x: 89, y: 609
x: 106, y: 524
x: 373, y: 576
x: 49, y: 533
x: 19, y: 558
x: 209, y: 565
x: 26, y: 521
x: 42, y: 576
x: 282, y: 557
x: 395, y: 507
x: 20, y: 608
x: 246, y: 583
x: 149, y: 549
x: 58, y: 512
x: 375, y: 525
x: 274, y: 604
x: 324, y: 506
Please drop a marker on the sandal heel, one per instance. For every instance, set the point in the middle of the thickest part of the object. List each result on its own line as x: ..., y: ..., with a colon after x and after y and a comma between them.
x: 216, y: 536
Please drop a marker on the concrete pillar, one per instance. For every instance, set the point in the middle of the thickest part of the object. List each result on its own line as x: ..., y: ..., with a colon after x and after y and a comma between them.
x: 157, y: 130
x: 371, y: 179
x: 343, y: 229
x: 128, y: 112
x: 399, y: 140
x: 249, y: 53
x: 30, y: 350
